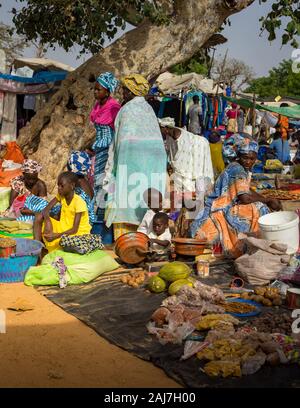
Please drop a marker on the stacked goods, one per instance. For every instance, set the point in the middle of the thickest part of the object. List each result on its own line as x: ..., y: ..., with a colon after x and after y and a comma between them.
x: 273, y: 323
x: 7, y: 247
x: 238, y: 307
x: 134, y: 279
x: 280, y: 194
x: 173, y: 274
x: 267, y: 296
x: 7, y: 242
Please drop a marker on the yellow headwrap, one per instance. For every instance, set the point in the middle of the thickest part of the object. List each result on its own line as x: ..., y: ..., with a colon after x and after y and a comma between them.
x: 137, y: 84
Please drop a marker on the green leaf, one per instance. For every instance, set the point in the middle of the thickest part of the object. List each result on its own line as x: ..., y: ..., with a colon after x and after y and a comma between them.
x: 290, y: 28
x: 285, y: 39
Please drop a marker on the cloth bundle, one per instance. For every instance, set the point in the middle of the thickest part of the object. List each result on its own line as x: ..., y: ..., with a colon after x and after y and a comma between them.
x: 15, y: 227
x: 262, y: 262
x: 81, y: 244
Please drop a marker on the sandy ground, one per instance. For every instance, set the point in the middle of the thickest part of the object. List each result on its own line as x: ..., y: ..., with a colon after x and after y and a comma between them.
x: 46, y: 347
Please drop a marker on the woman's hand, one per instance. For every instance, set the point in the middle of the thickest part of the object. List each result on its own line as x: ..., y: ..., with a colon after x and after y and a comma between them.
x: 51, y: 236
x: 274, y: 204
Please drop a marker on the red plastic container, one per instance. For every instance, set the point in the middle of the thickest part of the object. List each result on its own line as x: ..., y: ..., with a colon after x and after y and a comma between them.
x: 7, y: 252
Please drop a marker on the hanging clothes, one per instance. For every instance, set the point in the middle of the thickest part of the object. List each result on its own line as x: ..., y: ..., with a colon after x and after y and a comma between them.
x: 9, y: 118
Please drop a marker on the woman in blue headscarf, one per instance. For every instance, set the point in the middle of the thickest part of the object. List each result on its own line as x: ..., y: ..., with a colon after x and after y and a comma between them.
x: 79, y: 163
x: 103, y: 117
x: 233, y: 207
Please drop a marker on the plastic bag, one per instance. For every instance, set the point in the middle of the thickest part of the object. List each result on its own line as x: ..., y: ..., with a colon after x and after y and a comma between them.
x: 81, y: 268
x: 192, y: 347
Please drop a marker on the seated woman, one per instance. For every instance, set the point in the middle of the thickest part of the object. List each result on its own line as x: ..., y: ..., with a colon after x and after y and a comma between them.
x: 72, y: 220
x: 79, y: 164
x: 28, y: 192
x: 281, y: 148
x: 233, y: 208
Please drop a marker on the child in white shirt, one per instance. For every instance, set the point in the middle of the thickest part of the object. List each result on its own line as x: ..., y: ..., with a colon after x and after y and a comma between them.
x: 154, y: 200
x: 160, y: 236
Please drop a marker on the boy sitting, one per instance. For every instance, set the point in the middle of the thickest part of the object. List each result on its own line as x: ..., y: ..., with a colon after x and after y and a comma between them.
x: 160, y: 236
x: 154, y: 200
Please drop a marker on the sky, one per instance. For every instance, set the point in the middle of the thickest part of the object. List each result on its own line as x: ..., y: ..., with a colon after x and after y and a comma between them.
x: 244, y: 41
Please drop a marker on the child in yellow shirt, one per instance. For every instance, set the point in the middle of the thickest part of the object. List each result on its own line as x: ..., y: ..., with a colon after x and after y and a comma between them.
x: 72, y: 220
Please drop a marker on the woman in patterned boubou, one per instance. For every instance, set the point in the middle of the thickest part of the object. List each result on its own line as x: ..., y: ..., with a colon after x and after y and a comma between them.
x: 103, y: 117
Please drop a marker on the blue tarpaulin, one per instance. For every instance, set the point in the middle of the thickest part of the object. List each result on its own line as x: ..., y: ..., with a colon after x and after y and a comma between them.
x: 41, y: 77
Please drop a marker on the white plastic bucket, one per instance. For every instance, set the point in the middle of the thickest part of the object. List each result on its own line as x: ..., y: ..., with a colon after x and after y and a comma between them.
x: 281, y: 226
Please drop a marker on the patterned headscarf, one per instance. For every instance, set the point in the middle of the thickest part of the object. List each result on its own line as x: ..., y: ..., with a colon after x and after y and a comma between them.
x: 246, y: 146
x: 31, y: 166
x: 137, y: 84
x: 108, y: 81
x: 238, y: 143
x: 79, y: 163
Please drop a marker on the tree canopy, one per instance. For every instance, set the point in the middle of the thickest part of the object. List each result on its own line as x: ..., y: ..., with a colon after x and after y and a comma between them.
x: 89, y: 22
x: 280, y: 81
x: 290, y: 10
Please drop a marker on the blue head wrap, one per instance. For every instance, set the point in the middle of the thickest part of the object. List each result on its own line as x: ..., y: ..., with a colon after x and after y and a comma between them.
x: 108, y: 81
x: 238, y: 143
x: 246, y: 146
x: 79, y: 163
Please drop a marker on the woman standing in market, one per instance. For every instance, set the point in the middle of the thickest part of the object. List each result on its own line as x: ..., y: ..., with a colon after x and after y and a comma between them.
x: 233, y: 207
x: 283, y: 123
x: 137, y: 158
x: 103, y: 117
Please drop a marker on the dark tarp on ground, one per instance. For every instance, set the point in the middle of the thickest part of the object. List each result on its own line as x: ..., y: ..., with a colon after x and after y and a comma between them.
x: 290, y: 112
x: 120, y: 313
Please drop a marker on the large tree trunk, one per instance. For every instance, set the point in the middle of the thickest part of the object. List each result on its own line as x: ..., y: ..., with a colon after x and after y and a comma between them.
x: 63, y: 125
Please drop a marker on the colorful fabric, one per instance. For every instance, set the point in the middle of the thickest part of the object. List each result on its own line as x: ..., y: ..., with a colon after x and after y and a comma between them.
x: 34, y: 204
x: 79, y: 163
x: 100, y: 164
x: 223, y: 218
x: 13, y: 152
x: 230, y: 145
x: 245, y: 146
x: 108, y: 81
x: 67, y: 217
x: 18, y: 185
x: 217, y: 158
x: 137, y: 84
x: 83, y: 244
x: 31, y: 166
x: 137, y: 149
x: 105, y: 114
x: 122, y: 228
x: 283, y: 123
x: 104, y: 137
x: 90, y: 202
x: 190, y: 159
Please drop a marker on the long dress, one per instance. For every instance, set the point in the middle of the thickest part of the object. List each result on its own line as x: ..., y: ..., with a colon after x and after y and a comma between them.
x: 103, y: 118
x: 137, y: 161
x: 223, y: 218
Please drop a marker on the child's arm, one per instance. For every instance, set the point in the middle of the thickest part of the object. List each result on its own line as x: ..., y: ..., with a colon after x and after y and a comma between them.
x: 165, y: 243
x: 25, y: 211
x: 56, y: 235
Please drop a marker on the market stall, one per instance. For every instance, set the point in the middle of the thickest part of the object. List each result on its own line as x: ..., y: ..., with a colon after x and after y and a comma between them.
x: 100, y: 304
